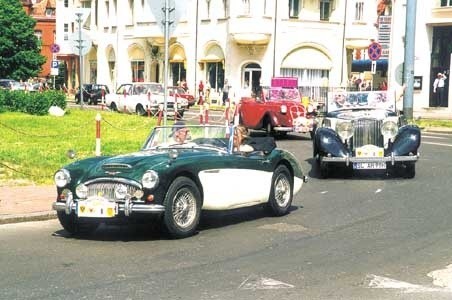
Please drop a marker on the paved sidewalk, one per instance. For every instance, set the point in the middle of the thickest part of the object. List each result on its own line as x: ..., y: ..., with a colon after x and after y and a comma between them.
x: 26, y: 203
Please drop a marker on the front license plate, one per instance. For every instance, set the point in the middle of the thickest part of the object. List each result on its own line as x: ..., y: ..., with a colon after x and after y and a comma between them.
x: 369, y: 165
x: 96, y: 208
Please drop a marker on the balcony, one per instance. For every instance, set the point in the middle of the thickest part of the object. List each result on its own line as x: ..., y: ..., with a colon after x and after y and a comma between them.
x: 359, y: 35
x: 246, y: 30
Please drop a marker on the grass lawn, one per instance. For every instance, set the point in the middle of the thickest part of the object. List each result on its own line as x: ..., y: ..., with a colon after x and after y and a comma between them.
x: 34, y: 147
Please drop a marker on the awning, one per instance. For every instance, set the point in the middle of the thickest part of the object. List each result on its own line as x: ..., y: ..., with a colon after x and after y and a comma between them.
x: 251, y: 38
x: 177, y: 55
x: 357, y: 43
x: 214, y: 54
x: 363, y: 65
x: 307, y: 58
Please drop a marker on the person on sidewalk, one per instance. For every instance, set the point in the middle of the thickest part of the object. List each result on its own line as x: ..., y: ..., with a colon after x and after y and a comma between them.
x: 438, y: 88
x: 225, y: 92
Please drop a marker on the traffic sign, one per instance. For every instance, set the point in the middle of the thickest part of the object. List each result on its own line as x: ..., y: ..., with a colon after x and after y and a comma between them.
x: 54, y: 48
x: 374, y: 51
x: 55, y: 64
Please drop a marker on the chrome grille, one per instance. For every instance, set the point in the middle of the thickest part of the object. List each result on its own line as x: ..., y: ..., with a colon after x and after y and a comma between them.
x: 367, y: 132
x: 107, y: 189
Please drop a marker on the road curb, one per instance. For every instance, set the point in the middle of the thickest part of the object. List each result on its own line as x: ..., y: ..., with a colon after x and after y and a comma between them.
x: 20, y: 218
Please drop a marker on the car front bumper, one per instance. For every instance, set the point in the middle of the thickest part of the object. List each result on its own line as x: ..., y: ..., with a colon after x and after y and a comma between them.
x: 387, y: 159
x: 127, y: 208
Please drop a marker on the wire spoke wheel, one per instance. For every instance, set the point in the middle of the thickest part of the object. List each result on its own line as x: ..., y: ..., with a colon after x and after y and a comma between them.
x: 184, y: 208
x: 282, y: 190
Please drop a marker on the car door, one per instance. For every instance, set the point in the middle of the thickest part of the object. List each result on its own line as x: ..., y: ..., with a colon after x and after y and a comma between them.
x: 236, y: 180
x: 123, y: 93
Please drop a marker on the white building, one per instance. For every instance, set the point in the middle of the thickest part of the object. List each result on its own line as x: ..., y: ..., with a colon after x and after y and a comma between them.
x: 245, y: 41
x: 433, y: 49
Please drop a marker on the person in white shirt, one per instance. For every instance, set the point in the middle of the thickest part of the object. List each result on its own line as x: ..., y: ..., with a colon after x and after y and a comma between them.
x: 438, y: 88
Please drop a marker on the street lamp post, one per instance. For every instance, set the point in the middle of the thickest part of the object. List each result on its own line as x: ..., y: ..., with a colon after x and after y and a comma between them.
x: 79, y: 22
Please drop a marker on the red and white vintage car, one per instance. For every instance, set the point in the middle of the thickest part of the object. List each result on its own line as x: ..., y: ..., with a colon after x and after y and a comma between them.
x: 278, y: 109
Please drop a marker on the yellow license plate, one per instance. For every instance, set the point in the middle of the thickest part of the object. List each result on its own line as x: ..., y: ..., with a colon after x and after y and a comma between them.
x: 97, y: 208
x: 369, y: 151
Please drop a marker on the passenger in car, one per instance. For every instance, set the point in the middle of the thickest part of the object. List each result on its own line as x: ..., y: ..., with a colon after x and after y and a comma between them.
x: 240, y: 137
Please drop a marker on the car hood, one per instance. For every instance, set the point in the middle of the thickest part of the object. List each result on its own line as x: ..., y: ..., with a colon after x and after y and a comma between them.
x: 130, y: 166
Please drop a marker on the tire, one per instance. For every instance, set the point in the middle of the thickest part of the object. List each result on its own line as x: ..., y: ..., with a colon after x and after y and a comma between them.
x: 182, y: 208
x: 281, y: 193
x: 74, y: 226
x: 409, y: 171
x: 324, y: 169
x: 268, y: 128
x: 140, y: 110
x: 113, y: 107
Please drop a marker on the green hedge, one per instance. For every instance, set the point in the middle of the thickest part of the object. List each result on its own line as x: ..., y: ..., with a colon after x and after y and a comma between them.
x: 34, y: 103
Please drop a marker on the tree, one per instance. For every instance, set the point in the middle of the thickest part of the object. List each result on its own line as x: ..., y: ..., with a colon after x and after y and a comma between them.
x: 20, y: 56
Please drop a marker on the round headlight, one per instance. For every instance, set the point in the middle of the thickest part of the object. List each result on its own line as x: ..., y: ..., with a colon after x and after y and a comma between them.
x: 81, y: 191
x: 389, y: 129
x: 62, y: 178
x: 283, y: 109
x: 150, y: 179
x: 344, y: 130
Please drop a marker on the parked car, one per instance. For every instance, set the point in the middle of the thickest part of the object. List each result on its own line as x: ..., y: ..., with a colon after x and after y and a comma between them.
x: 363, y: 131
x: 276, y: 110
x: 139, y: 97
x: 92, y: 93
x: 9, y: 84
x: 176, y: 181
x: 179, y: 92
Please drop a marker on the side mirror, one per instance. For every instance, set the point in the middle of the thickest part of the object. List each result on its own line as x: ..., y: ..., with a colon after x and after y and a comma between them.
x: 71, y: 154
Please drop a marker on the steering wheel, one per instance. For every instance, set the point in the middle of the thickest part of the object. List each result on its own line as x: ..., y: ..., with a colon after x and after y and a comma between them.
x: 219, y: 143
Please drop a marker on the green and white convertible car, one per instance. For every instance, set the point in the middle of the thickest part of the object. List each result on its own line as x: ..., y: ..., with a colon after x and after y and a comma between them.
x: 176, y: 180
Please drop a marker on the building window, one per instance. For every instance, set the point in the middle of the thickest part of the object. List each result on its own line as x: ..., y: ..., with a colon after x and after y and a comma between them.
x: 66, y: 31
x: 38, y: 34
x: 137, y: 71
x: 246, y: 7
x: 325, y: 10
x: 294, y: 8
x: 359, y: 10
x: 50, y: 12
x: 446, y: 3
x: 66, y: 3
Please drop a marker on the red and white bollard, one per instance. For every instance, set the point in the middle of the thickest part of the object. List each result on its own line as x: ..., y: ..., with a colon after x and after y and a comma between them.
x: 98, y: 119
x: 159, y: 119
x: 206, y: 113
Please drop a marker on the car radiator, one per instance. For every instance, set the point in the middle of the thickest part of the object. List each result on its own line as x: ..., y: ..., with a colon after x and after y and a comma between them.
x: 367, y: 131
x: 107, y: 190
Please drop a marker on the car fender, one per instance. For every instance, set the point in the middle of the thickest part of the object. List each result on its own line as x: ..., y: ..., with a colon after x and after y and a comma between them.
x: 407, y: 140
x: 326, y: 140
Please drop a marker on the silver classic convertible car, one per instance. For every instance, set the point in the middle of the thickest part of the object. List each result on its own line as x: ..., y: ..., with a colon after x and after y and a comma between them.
x: 179, y: 171
x: 363, y: 131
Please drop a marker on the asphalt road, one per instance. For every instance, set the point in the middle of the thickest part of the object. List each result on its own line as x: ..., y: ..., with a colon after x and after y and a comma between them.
x: 353, y: 237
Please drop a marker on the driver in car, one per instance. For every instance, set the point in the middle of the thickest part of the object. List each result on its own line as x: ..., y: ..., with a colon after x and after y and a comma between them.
x: 179, y: 132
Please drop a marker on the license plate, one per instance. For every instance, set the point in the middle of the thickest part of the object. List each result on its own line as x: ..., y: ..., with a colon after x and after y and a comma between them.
x: 97, y: 208
x: 369, y: 165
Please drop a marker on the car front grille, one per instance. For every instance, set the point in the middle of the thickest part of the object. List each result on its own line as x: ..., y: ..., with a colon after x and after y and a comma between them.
x: 107, y: 189
x: 367, y: 132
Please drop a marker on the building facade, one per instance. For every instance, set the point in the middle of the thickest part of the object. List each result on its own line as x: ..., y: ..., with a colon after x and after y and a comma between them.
x: 433, y: 49
x: 245, y: 41
x: 44, y: 12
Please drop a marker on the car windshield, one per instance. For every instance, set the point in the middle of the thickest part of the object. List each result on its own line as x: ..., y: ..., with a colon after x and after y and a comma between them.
x: 282, y: 94
x: 190, y: 136
x: 343, y: 100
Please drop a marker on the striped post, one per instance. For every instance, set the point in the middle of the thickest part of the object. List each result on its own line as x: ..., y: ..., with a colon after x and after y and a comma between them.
x: 98, y: 119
